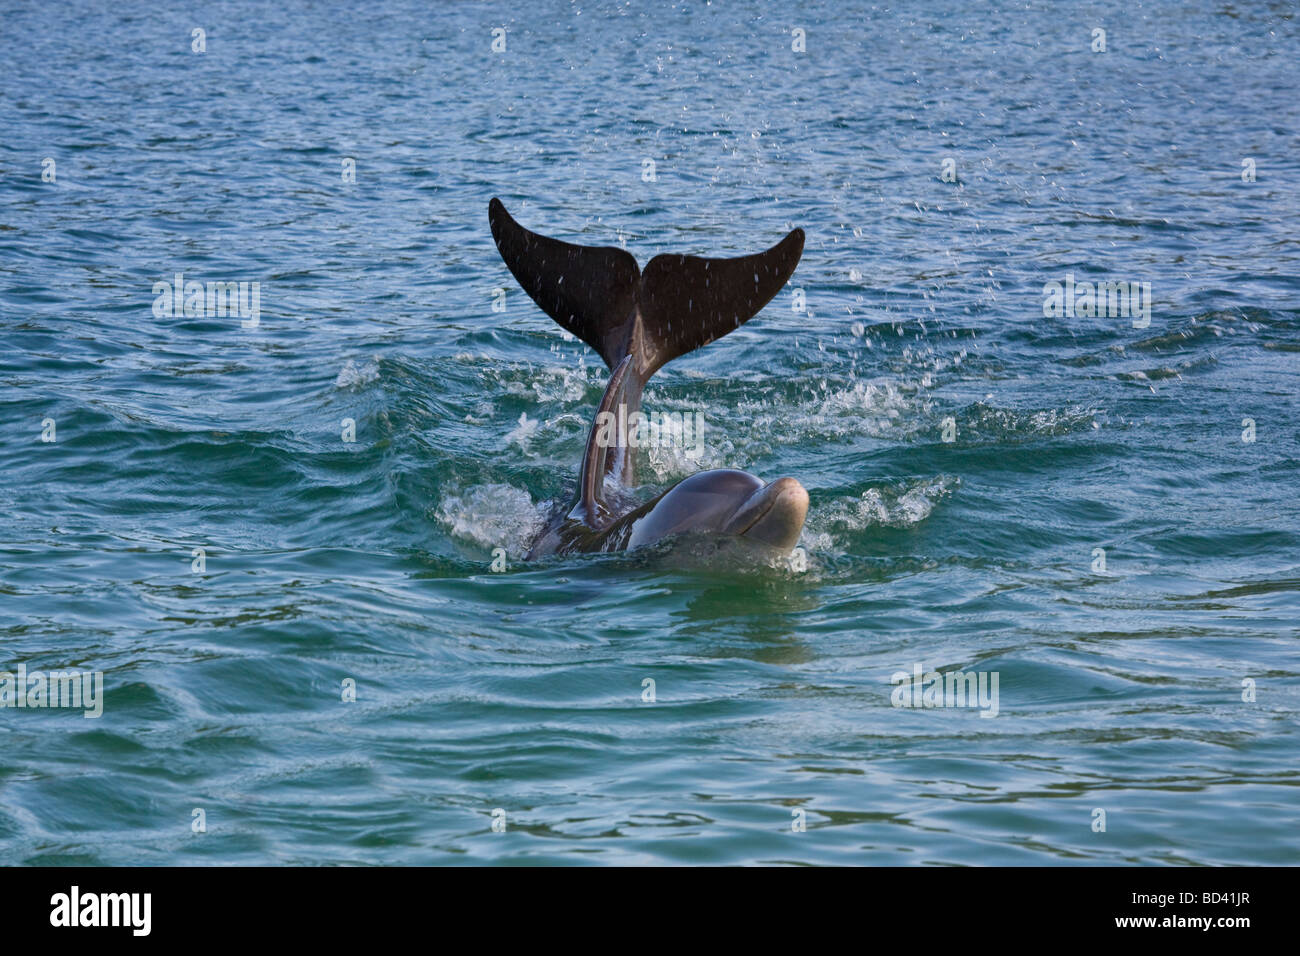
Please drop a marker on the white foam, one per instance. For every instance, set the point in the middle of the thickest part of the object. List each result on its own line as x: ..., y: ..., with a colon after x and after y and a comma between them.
x: 899, y: 506
x: 352, y: 375
x: 493, y: 516
x: 524, y: 432
x: 550, y: 384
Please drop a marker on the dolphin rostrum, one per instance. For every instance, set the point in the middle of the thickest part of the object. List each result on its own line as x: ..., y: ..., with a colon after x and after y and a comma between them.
x: 637, y: 321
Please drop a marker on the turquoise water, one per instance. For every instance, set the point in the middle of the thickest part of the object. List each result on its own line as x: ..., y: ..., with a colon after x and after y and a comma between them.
x: 326, y: 561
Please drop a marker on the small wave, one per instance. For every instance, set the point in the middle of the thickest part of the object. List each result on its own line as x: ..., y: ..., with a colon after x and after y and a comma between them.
x: 493, y: 516
x: 892, y: 506
x: 353, y: 375
x: 983, y: 422
x: 876, y: 408
x: 523, y: 433
x: 548, y: 384
x: 731, y: 438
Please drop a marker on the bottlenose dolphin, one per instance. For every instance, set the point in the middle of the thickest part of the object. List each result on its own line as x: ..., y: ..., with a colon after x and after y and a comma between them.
x: 637, y: 321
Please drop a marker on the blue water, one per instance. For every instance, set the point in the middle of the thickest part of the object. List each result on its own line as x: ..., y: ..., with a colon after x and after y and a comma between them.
x: 1121, y: 690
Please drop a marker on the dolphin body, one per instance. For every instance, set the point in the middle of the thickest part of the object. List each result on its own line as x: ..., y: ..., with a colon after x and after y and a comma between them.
x: 637, y: 321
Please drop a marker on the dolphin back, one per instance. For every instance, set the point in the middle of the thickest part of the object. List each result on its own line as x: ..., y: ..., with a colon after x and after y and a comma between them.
x: 678, y: 304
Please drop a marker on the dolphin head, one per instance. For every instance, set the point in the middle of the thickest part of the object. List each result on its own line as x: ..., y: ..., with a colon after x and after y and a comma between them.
x: 773, y: 515
x: 726, y: 502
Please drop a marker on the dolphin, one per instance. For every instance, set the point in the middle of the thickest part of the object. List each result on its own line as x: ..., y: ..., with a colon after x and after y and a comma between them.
x: 637, y: 321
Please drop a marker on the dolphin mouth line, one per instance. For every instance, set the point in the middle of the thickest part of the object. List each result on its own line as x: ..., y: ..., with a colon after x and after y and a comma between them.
x: 754, y: 509
x: 769, y: 504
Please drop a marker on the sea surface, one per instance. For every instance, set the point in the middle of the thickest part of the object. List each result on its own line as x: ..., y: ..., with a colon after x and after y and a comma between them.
x: 1098, y: 510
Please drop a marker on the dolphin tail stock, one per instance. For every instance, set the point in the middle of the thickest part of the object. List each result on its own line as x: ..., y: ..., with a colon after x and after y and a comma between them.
x: 607, y: 453
x: 676, y: 305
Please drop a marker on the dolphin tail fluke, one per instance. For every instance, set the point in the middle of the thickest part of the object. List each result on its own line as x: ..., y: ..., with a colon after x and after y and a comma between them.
x: 588, y: 290
x: 678, y: 304
x: 688, y: 301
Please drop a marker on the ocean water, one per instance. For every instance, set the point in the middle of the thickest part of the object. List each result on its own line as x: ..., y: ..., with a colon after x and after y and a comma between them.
x: 1102, y: 516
